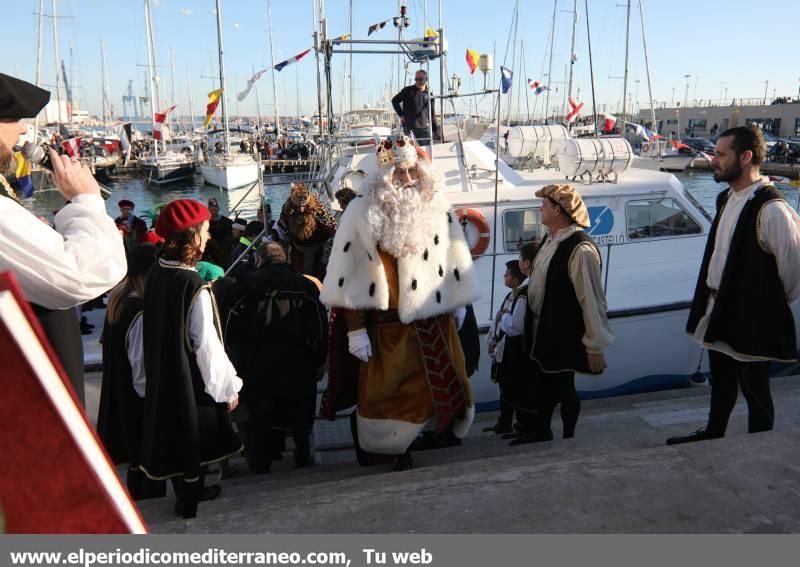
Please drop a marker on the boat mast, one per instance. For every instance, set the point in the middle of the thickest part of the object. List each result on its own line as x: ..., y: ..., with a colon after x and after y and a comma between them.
x: 222, y: 77
x: 350, y: 69
x: 550, y: 67
x: 572, y: 57
x: 625, y: 80
x: 191, y: 107
x: 649, y: 85
x: 258, y: 107
x: 150, y: 65
x: 105, y: 87
x: 57, y: 58
x: 316, y: 55
x: 172, y: 68
x: 272, y: 63
x: 513, y: 63
x: 591, y: 65
x: 38, y: 67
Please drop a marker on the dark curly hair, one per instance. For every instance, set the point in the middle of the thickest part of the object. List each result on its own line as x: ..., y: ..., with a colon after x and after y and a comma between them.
x: 183, y: 246
x: 747, y: 138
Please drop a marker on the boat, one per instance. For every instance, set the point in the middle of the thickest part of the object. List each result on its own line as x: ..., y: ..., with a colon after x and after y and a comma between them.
x: 650, y: 231
x: 227, y: 169
x: 662, y: 155
x: 167, y: 167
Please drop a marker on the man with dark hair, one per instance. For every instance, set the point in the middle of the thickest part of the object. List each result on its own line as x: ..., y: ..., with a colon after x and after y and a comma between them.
x: 567, y: 329
x: 413, y: 105
x: 748, y: 279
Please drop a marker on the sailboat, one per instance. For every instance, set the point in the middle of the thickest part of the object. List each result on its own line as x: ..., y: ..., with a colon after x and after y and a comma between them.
x: 227, y: 170
x: 161, y: 166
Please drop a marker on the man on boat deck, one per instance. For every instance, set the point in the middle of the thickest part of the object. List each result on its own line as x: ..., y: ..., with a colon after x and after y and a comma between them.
x: 414, y: 107
x: 748, y: 279
x: 402, y: 274
x: 567, y: 327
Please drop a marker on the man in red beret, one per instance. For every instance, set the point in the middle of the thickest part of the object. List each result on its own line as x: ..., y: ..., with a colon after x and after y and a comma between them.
x: 57, y: 269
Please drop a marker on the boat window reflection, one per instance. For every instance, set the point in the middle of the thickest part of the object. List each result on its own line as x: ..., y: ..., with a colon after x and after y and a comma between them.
x: 521, y: 226
x: 658, y: 218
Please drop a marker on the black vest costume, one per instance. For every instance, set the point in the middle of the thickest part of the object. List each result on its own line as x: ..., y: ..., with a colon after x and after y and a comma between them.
x: 559, y: 335
x: 184, y: 428
x: 119, y: 421
x: 750, y: 310
x: 512, y: 370
x: 64, y: 333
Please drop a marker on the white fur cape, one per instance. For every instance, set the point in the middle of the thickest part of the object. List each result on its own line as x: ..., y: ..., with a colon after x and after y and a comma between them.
x: 438, y: 280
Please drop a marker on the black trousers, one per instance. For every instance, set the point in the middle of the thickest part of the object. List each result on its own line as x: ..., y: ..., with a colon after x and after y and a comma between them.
x: 422, y: 135
x: 553, y: 389
x: 727, y: 375
x: 259, y: 433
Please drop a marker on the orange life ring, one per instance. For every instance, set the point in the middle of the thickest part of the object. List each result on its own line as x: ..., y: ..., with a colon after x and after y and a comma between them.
x: 476, y: 218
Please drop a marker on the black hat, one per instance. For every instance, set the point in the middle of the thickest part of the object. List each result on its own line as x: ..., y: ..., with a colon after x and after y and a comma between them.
x: 141, y: 258
x: 126, y: 203
x: 20, y: 99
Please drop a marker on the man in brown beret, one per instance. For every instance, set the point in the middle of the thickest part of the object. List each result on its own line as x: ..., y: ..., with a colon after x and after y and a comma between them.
x: 567, y: 328
x: 56, y: 269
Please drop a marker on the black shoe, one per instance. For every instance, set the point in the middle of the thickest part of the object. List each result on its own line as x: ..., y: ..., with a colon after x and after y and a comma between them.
x: 699, y: 435
x: 532, y: 438
x: 498, y: 428
x: 210, y: 492
x: 514, y: 435
x: 404, y: 462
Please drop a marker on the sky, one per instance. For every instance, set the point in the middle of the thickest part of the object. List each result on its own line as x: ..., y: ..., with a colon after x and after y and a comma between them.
x: 729, y: 49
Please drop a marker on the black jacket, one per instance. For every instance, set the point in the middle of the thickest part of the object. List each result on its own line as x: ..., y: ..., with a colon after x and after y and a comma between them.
x: 412, y: 104
x: 277, y: 333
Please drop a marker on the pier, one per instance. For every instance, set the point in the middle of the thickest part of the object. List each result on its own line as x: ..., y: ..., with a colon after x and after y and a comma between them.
x: 790, y: 170
x: 281, y: 165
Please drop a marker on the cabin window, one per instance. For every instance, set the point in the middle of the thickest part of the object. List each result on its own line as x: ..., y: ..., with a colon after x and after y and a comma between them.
x: 521, y: 226
x: 659, y: 218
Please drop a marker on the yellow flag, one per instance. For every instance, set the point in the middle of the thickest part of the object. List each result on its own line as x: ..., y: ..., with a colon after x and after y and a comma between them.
x: 430, y: 32
x: 211, y: 107
x: 473, y: 58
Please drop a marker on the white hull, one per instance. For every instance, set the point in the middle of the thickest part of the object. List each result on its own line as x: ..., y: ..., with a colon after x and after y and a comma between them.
x: 231, y: 173
x: 667, y: 163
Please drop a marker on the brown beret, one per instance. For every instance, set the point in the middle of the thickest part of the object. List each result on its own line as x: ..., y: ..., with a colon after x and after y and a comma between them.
x: 20, y: 99
x: 568, y: 199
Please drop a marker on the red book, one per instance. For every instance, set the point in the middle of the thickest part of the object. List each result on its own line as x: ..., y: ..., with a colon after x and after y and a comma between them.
x: 55, y: 477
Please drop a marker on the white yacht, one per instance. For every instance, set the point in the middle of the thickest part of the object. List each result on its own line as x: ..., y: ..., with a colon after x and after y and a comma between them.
x: 229, y: 170
x: 650, y: 231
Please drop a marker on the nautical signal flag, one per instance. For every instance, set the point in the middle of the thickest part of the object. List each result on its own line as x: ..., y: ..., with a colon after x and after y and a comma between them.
x: 609, y: 122
x: 538, y: 88
x: 506, y: 76
x: 375, y: 27
x: 250, y: 82
x: 24, y: 182
x: 575, y: 111
x: 72, y: 147
x: 211, y: 107
x: 473, y: 58
x: 160, y: 118
x: 295, y: 59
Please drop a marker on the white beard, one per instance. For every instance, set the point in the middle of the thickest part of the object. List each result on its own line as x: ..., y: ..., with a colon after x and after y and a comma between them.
x: 397, y: 217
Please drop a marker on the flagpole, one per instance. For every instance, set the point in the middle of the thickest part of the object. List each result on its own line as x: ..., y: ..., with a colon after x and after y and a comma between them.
x: 222, y: 78
x: 550, y: 67
x: 272, y: 62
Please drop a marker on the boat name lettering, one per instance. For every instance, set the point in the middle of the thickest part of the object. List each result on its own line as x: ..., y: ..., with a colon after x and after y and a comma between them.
x: 609, y: 239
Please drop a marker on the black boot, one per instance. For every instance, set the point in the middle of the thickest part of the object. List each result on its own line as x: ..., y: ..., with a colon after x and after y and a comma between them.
x: 699, y: 435
x: 404, y: 462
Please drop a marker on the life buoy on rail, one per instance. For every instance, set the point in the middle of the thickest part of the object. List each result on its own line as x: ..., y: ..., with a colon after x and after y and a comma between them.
x: 645, y: 147
x: 476, y: 219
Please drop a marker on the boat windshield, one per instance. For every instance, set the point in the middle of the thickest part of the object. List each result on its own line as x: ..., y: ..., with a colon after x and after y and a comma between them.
x: 697, y: 205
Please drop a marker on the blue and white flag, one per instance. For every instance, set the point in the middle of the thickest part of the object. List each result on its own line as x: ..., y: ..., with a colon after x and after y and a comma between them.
x: 295, y: 59
x: 506, y: 75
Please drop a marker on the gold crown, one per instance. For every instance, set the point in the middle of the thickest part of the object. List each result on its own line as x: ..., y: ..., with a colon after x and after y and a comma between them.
x: 395, y: 149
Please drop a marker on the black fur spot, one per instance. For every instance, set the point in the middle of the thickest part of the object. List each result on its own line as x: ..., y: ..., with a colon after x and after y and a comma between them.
x: 341, y: 282
x: 441, y: 271
x: 369, y: 256
x: 438, y: 297
x: 413, y: 284
x: 457, y: 275
x: 372, y: 289
x: 449, y: 218
x: 436, y: 239
x: 425, y: 255
x: 347, y: 247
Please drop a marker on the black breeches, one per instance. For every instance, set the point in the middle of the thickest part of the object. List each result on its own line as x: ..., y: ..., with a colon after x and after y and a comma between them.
x: 553, y: 389
x: 727, y: 375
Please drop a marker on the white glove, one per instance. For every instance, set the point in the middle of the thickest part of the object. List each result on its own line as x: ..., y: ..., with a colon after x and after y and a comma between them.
x: 459, y: 315
x: 359, y: 344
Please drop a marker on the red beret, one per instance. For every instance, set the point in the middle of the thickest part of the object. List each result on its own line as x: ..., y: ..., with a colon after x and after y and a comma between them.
x: 151, y: 237
x: 180, y: 215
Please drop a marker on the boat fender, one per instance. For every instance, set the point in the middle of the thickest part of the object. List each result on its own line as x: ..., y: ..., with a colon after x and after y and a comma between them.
x: 476, y: 218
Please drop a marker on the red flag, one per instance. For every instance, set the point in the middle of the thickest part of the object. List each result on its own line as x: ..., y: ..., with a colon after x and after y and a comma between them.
x: 160, y: 118
x: 72, y: 147
x: 473, y: 58
x: 211, y: 107
x: 610, y: 122
x: 576, y: 110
